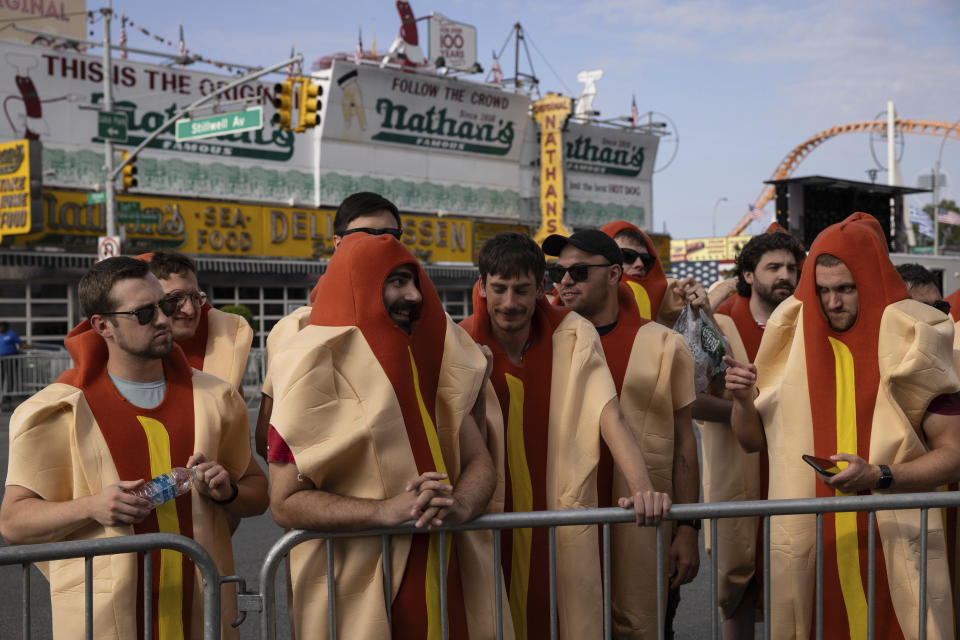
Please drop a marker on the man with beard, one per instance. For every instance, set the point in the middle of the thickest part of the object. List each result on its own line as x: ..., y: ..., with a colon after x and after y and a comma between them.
x: 131, y: 410
x: 652, y: 369
x: 766, y: 276
x: 214, y: 342
x: 363, y: 212
x: 559, y: 404
x: 851, y: 369
x: 658, y: 297
x: 372, y: 427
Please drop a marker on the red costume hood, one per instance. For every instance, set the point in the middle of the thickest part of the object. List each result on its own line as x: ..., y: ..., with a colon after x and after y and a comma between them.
x: 655, y: 282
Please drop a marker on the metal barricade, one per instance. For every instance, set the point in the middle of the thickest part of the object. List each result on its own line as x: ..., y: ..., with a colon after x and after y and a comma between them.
x: 24, y: 374
x: 610, y: 516
x: 25, y: 555
x: 253, y: 375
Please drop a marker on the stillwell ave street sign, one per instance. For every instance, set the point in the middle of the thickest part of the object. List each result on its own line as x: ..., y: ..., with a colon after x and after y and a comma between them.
x: 220, y: 124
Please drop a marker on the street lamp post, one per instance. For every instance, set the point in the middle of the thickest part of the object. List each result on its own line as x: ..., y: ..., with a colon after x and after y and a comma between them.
x: 716, y: 204
x: 936, y: 192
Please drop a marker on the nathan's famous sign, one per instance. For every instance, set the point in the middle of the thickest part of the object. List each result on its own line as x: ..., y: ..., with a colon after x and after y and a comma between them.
x: 607, y: 151
x: 44, y: 91
x: 418, y: 111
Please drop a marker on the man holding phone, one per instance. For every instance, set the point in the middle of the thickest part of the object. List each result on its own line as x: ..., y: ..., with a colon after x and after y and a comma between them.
x: 854, y: 371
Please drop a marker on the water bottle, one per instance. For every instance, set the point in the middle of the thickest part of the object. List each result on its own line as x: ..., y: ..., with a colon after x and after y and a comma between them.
x: 168, y: 486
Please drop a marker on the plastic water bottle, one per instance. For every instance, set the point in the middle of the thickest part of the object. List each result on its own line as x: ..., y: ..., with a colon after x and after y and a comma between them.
x: 166, y: 487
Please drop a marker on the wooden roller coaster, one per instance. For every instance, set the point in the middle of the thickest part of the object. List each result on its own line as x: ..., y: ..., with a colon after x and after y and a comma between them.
x: 792, y: 159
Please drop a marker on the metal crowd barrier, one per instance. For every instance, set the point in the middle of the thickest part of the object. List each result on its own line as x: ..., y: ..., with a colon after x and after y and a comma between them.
x: 607, y: 517
x: 24, y: 555
x: 253, y: 375
x: 24, y: 374
x: 264, y: 600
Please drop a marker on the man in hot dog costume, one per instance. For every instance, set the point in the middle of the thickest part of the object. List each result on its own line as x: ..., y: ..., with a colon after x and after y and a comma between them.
x: 766, y: 276
x: 558, y: 403
x: 130, y: 410
x: 658, y: 297
x: 362, y: 212
x: 652, y: 369
x: 851, y: 369
x: 214, y: 342
x: 371, y: 427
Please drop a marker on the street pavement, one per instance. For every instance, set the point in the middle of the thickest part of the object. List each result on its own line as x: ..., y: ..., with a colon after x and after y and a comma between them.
x: 251, y: 543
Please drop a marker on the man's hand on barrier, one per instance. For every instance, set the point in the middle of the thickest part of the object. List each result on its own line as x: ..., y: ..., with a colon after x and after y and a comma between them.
x: 650, y: 506
x: 858, y: 476
x: 115, y: 506
x: 212, y: 479
x: 432, y: 494
x: 684, y: 556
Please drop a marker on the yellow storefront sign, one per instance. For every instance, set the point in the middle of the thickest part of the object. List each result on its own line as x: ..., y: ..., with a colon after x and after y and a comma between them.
x: 231, y: 229
x: 724, y: 248
x: 19, y: 168
x: 550, y: 113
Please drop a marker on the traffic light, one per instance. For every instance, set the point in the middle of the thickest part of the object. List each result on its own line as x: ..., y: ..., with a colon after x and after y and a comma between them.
x: 129, y: 172
x: 309, y: 105
x: 283, y: 101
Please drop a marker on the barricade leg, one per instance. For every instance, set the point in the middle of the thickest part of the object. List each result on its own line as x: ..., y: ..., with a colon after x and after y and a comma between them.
x: 148, y: 595
x: 714, y: 586
x: 331, y: 590
x: 553, y: 582
x: 819, y: 588
x: 871, y: 574
x: 661, y: 632
x: 497, y: 580
x: 922, y: 633
x: 25, y: 585
x: 88, y: 594
x: 607, y: 596
x: 387, y: 561
x: 766, y: 578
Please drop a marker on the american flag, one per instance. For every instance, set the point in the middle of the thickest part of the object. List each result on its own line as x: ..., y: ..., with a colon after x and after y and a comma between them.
x: 359, y: 53
x: 948, y: 217
x: 634, y: 114
x: 496, y: 71
x: 123, y: 36
x: 706, y: 272
x: 755, y: 213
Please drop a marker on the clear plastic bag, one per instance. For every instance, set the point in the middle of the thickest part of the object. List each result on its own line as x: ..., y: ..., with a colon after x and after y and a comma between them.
x: 706, y: 342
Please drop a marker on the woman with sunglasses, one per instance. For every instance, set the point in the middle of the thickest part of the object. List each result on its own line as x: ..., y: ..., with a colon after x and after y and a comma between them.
x: 658, y: 298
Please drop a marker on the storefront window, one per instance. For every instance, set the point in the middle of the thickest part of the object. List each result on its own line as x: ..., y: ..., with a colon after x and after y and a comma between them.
x: 266, y: 304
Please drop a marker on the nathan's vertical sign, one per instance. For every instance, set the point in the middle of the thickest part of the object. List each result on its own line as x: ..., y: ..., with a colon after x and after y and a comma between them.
x: 550, y: 113
x: 19, y: 186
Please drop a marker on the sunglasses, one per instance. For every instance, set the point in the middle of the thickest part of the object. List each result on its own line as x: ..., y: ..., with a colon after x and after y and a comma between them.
x: 941, y: 305
x: 630, y: 256
x: 578, y: 272
x: 396, y: 233
x: 196, y: 299
x: 147, y: 313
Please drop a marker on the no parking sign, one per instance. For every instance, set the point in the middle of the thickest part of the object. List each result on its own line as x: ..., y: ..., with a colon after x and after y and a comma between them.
x: 108, y: 247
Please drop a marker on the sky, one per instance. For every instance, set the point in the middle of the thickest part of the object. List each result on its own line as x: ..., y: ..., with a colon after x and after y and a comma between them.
x: 744, y: 82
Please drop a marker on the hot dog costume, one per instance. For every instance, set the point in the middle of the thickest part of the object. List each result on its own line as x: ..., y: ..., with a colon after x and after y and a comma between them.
x: 873, y: 384
x: 731, y: 474
x: 364, y: 407
x: 553, y: 398
x: 80, y: 435
x: 221, y: 343
x: 654, y: 294
x: 954, y: 300
x: 652, y: 369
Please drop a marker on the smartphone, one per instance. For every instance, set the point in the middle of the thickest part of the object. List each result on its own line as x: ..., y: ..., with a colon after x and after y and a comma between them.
x: 823, y: 466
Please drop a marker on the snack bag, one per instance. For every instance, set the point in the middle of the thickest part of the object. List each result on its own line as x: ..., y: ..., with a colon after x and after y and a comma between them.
x: 707, y: 344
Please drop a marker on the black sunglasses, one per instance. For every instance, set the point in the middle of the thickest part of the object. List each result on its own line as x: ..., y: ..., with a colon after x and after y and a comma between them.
x: 941, y: 305
x: 396, y: 233
x: 578, y: 272
x: 147, y: 313
x: 630, y: 256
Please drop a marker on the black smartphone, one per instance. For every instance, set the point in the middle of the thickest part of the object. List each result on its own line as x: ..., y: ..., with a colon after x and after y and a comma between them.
x: 823, y: 466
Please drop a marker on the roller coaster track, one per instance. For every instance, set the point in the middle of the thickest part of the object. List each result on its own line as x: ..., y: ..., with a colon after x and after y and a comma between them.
x: 792, y: 159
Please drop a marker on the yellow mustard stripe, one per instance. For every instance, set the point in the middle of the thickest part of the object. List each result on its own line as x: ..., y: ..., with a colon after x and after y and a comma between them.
x: 522, y: 492
x: 432, y: 582
x: 170, y: 596
x: 848, y: 548
x: 643, y: 300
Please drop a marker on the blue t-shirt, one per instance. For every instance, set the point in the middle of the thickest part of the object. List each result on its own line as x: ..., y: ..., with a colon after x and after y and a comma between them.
x: 9, y: 342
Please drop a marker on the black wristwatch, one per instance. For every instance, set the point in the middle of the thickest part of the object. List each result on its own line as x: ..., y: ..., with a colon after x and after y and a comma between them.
x: 696, y: 524
x: 886, y: 477
x: 233, y: 496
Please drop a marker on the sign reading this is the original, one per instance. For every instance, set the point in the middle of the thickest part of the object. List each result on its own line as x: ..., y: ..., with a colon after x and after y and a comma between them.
x: 19, y: 186
x: 550, y: 113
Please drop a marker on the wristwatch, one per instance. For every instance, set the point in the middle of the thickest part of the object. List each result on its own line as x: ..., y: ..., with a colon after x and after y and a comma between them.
x: 886, y: 477
x: 690, y: 523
